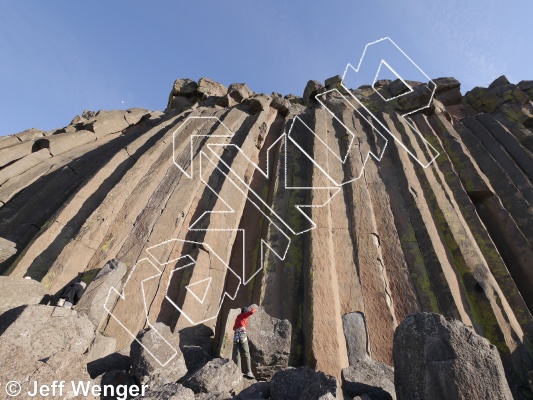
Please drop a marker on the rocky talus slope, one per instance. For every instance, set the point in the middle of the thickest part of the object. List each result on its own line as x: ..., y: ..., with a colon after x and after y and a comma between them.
x: 339, y: 220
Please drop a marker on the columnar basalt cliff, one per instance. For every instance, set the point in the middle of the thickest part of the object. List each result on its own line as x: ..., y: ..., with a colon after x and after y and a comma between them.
x: 191, y: 201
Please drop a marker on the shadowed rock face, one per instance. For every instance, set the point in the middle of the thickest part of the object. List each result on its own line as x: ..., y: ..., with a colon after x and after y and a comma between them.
x: 454, y: 237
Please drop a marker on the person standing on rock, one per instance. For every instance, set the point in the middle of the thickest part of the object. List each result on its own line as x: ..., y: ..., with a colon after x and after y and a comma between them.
x: 71, y: 294
x: 240, y: 341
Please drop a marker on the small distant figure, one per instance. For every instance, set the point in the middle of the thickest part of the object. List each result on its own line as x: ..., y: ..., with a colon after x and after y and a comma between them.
x: 240, y: 341
x: 71, y: 294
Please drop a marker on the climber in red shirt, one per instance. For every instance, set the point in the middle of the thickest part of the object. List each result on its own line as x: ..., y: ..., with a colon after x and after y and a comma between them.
x: 240, y: 340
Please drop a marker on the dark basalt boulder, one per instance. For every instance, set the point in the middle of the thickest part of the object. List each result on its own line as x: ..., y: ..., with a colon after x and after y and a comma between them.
x: 301, y: 384
x: 440, y: 358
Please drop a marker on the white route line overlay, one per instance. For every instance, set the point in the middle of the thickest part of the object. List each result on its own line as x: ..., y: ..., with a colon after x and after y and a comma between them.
x: 123, y: 297
x: 403, y: 116
x: 284, y: 137
x: 188, y: 287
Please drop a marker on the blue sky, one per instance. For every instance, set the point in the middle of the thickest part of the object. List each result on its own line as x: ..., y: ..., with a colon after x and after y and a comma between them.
x: 59, y: 58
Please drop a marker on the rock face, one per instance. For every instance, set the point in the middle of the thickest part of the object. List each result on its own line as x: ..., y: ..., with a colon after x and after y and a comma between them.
x: 364, y: 376
x: 311, y: 90
x: 156, y: 356
x: 448, y: 91
x: 370, y: 378
x: 118, y: 361
x: 356, y: 335
x: 45, y: 345
x: 239, y: 92
x: 118, y: 378
x: 195, y: 357
x: 209, y: 88
x: 20, y: 365
x: 15, y: 152
x: 259, y: 103
x: 257, y: 391
x: 269, y: 340
x: 97, y: 292
x: 45, y: 330
x: 333, y: 83
x: 441, y: 223
x: 301, y: 383
x: 439, y: 358
x: 7, y: 249
x: 183, y: 95
x: 107, y: 122
x: 217, y: 376
x: 170, y: 391
x: 184, y: 87
x: 101, y: 347
x: 18, y: 292
x: 70, y: 367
